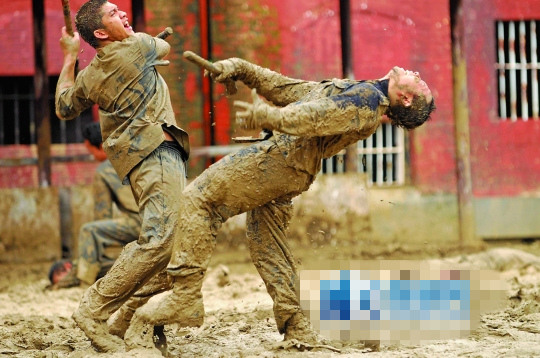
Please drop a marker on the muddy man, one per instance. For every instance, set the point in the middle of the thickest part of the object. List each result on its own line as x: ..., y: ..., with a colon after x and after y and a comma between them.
x: 310, y: 121
x: 144, y: 143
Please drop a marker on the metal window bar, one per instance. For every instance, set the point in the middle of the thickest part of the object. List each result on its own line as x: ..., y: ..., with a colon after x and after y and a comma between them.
x: 512, y: 60
x: 502, y: 73
x: 535, y: 66
x: 517, y: 66
x: 381, y: 156
x: 523, y: 72
x: 16, y: 116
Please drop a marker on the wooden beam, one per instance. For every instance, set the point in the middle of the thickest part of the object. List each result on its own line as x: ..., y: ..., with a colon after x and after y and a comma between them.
x: 467, y: 231
x: 41, y: 91
x: 347, y: 68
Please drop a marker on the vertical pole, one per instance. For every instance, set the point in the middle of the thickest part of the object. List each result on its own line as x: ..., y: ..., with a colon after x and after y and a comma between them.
x: 206, y: 52
x: 41, y: 93
x: 346, y: 47
x: 351, y: 154
x: 467, y: 230
x: 139, y: 21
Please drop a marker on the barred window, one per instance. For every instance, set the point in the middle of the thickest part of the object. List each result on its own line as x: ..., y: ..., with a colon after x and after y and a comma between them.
x: 381, y: 156
x: 517, y: 69
x: 18, y: 120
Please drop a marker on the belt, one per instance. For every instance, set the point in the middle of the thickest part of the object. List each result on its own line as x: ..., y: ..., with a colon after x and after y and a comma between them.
x: 175, y: 146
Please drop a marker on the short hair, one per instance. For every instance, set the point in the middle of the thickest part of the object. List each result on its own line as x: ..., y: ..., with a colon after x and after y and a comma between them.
x: 88, y: 19
x: 92, y: 133
x: 413, y: 116
x: 57, y: 266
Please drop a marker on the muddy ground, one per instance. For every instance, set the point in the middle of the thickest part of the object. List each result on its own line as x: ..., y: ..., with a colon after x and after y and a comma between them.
x: 35, y: 322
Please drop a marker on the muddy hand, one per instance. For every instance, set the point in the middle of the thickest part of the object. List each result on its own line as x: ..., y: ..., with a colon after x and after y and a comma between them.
x: 246, y: 113
x: 210, y: 69
x: 70, y: 44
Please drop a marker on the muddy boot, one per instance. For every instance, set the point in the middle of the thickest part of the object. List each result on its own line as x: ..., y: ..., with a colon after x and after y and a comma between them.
x: 182, y: 305
x: 97, y: 331
x: 299, y: 328
x: 121, y: 319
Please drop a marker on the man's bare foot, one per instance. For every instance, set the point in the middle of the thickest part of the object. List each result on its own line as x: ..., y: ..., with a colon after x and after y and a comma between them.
x: 97, y: 331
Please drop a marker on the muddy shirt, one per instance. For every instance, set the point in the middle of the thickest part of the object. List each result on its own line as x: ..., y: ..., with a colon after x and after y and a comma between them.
x: 133, y: 99
x: 316, y: 119
x: 108, y: 189
x: 329, y: 118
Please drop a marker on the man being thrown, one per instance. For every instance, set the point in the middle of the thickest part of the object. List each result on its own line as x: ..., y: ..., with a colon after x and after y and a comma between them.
x: 143, y: 141
x: 310, y: 121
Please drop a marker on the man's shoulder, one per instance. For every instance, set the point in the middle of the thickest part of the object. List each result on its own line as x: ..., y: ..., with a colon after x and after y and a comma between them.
x: 142, y: 39
x: 115, y: 47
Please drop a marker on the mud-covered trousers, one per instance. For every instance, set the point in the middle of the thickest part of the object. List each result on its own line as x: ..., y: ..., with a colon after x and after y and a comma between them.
x: 157, y: 183
x: 256, y: 180
x: 100, y: 242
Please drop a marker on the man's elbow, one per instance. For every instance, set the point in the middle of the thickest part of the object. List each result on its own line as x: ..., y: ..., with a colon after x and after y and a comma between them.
x: 63, y: 115
x: 59, y: 114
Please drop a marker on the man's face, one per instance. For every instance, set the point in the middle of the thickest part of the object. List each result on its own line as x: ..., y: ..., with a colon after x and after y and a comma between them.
x: 61, y: 273
x: 115, y: 22
x: 408, y: 82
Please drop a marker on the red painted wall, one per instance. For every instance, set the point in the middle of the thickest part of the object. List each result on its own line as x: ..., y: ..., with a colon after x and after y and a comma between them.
x: 302, y: 39
x: 298, y: 38
x: 505, y: 155
x: 17, y: 59
x: 413, y: 34
x: 16, y: 42
x: 62, y: 174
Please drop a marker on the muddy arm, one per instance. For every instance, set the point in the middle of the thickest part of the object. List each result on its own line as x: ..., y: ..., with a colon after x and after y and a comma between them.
x: 278, y: 89
x: 320, y: 117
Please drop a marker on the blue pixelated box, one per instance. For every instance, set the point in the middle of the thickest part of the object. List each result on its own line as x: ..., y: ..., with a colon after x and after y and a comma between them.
x: 397, y: 301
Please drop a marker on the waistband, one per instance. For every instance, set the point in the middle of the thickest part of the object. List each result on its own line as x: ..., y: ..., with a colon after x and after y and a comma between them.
x: 173, y: 145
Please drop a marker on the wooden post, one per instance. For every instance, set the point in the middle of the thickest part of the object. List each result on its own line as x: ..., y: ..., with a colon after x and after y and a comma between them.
x: 467, y: 232
x: 207, y: 85
x: 41, y: 91
x: 139, y: 21
x: 351, y: 154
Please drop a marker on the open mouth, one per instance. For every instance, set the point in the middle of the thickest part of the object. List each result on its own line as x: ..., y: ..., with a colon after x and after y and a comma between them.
x: 127, y: 26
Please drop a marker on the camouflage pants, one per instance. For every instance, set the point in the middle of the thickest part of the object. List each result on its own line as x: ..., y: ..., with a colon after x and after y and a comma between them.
x: 100, y: 243
x: 256, y: 180
x: 157, y: 184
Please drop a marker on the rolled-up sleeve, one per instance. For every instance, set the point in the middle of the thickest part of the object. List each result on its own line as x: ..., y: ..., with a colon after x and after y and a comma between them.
x: 70, y: 102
